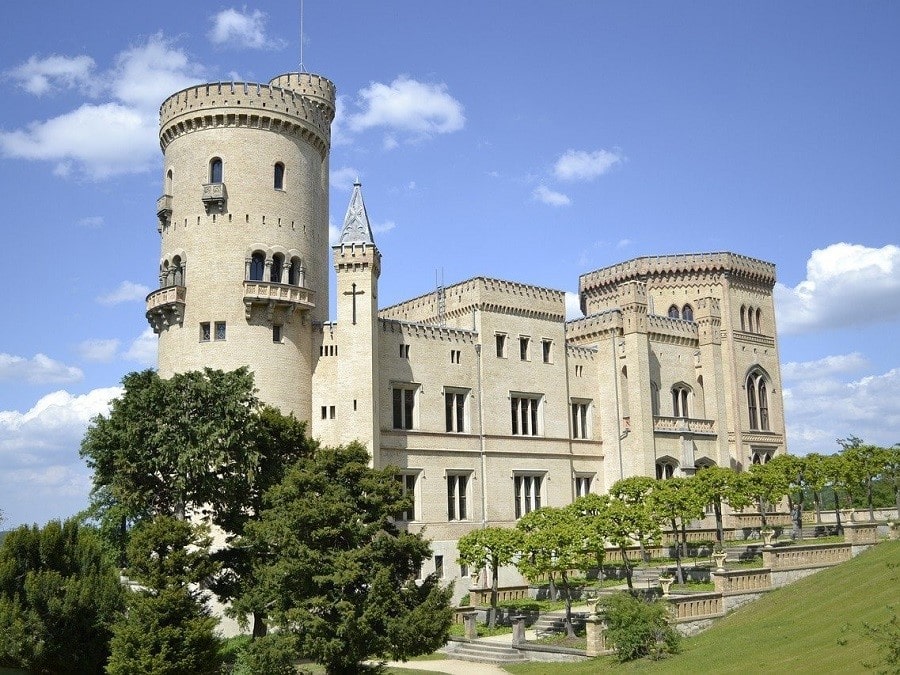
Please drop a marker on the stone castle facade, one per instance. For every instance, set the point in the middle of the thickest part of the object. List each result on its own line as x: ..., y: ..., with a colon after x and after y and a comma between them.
x: 486, y: 398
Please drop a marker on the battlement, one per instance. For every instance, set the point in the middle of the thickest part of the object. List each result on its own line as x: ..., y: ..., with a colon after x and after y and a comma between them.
x: 485, y: 294
x: 254, y: 105
x: 429, y: 331
x: 594, y: 327
x: 687, y: 264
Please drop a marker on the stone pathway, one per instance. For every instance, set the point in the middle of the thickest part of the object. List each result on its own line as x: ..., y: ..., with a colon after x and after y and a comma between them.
x: 452, y: 666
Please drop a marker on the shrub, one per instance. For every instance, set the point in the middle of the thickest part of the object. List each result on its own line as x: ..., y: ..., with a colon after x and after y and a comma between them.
x: 639, y: 628
x: 273, y: 654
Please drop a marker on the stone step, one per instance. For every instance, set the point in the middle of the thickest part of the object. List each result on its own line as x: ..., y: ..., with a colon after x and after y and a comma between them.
x: 482, y: 651
x: 556, y: 622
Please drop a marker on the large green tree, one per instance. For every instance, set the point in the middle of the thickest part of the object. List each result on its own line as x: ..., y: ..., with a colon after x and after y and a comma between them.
x: 167, y: 629
x: 717, y: 486
x: 336, y: 571
x: 553, y: 546
x: 491, y: 547
x: 59, y: 595
x: 630, y: 519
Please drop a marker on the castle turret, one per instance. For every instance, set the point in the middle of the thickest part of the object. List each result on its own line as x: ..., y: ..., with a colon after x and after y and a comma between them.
x: 357, y: 264
x: 243, y: 222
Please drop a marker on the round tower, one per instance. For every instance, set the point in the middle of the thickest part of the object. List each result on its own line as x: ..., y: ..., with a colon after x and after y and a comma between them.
x: 243, y: 222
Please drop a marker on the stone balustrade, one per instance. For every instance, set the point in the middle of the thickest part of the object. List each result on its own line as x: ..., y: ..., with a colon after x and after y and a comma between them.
x: 681, y: 425
x: 806, y: 557
x: 482, y: 596
x: 696, y: 606
x: 731, y: 582
x: 747, y: 521
x: 271, y: 295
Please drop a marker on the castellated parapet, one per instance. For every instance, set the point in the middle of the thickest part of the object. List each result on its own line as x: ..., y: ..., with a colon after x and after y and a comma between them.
x: 294, y: 104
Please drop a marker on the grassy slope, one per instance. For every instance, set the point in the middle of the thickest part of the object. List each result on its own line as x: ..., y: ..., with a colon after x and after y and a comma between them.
x: 812, y: 626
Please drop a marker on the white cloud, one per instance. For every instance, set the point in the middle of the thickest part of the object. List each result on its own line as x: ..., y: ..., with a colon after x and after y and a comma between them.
x: 845, y: 285
x: 343, y: 178
x: 39, y: 76
x: 143, y: 349
x: 547, y: 196
x: 116, y: 136
x: 128, y: 291
x: 407, y: 105
x: 102, y: 351
x: 381, y: 228
x: 820, y: 409
x: 584, y: 165
x: 40, y: 369
x: 233, y: 28
x: 334, y: 233
x: 91, y: 222
x: 41, y: 474
x: 573, y: 306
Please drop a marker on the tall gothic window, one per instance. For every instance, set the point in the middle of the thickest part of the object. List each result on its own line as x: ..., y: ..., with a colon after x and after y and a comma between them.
x: 687, y: 313
x: 215, y: 170
x: 279, y: 176
x: 680, y: 397
x: 757, y: 401
x: 277, y: 268
x: 257, y: 266
x: 674, y: 313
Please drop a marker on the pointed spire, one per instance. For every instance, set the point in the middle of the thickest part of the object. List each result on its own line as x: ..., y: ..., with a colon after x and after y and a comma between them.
x: 356, y: 228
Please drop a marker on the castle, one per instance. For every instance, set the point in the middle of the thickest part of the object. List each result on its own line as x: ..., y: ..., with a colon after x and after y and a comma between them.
x: 489, y: 401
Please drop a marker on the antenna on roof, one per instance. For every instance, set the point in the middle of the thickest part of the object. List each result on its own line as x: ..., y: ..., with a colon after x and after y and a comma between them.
x: 302, y: 69
x: 441, y: 308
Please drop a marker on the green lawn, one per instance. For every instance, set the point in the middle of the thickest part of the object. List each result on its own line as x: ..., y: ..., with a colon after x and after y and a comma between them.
x: 812, y: 626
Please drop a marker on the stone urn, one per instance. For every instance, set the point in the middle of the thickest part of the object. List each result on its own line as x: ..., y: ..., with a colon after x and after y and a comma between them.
x: 719, y: 557
x: 593, y: 603
x: 665, y: 583
x: 767, y: 536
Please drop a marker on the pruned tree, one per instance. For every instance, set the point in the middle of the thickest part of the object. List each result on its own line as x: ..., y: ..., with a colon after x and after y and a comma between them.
x: 593, y: 510
x: 59, y: 595
x: 816, y: 478
x: 717, y: 486
x: 767, y: 484
x: 553, y: 545
x: 491, y: 547
x: 634, y: 491
x: 679, y: 502
x: 337, y: 573
x: 631, y: 519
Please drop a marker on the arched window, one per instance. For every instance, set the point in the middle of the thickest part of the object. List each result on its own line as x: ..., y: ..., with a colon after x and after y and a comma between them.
x: 749, y: 319
x: 654, y: 398
x: 296, y: 275
x: 179, y: 271
x: 758, y: 401
x: 257, y: 266
x: 215, y: 170
x: 680, y: 396
x: 758, y: 320
x: 687, y: 313
x: 743, y: 318
x: 665, y: 468
x: 164, y: 274
x: 168, y: 187
x: 279, y: 176
x: 761, y: 456
x: 673, y: 312
x: 277, y: 267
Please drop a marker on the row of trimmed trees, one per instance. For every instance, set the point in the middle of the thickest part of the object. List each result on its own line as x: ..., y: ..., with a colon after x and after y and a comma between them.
x: 306, y: 545
x: 553, y: 542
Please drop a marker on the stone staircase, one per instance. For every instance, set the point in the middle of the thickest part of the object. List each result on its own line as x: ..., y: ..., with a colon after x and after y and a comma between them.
x: 555, y: 622
x: 485, y: 651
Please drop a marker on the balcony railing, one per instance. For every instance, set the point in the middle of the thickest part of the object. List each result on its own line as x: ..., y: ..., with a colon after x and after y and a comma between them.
x: 680, y: 425
x: 165, y: 307
x: 214, y: 195
x: 273, y: 295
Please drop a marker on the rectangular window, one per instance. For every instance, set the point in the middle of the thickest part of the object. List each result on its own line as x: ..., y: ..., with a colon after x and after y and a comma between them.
x: 524, y: 413
x: 579, y: 371
x: 331, y: 412
x: 404, y: 406
x: 457, y: 492
x: 408, y: 484
x: 582, y: 486
x: 324, y: 412
x: 524, y: 344
x: 463, y: 571
x: 404, y: 351
x: 439, y: 566
x: 455, y: 410
x: 501, y: 345
x: 547, y: 351
x: 528, y: 493
x: 276, y: 333
x: 455, y: 355
x: 204, y: 332
x: 581, y: 419
x: 220, y: 330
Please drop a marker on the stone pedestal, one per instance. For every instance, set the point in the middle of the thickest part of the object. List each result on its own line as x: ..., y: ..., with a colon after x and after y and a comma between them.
x: 470, y: 625
x: 518, y: 634
x: 595, y: 627
x: 893, y: 530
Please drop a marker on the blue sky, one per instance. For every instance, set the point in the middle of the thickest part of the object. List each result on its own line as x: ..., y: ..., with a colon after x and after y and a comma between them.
x: 532, y: 141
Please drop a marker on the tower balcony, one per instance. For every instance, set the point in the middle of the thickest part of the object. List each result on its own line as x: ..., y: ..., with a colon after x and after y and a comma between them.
x: 165, y: 307
x: 272, y: 296
x: 214, y: 196
x: 683, y: 425
x: 163, y: 210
